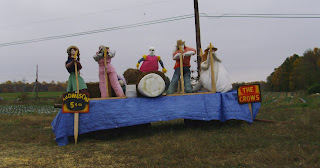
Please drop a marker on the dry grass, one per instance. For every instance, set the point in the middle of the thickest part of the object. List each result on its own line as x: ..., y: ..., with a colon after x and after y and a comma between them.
x: 27, y: 141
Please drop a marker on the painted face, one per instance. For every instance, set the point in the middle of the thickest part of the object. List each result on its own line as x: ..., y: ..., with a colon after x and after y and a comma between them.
x: 182, y: 46
x: 151, y: 50
x: 72, y: 52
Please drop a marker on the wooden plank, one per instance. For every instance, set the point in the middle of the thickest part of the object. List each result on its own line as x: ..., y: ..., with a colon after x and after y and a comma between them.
x: 181, y: 70
x: 105, y: 72
x: 213, y: 81
x: 250, y: 108
x: 175, y: 94
x: 107, y: 98
x: 198, y: 93
x: 76, y: 115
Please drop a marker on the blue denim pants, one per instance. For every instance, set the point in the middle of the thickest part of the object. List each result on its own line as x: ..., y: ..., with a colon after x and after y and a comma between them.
x: 176, y: 76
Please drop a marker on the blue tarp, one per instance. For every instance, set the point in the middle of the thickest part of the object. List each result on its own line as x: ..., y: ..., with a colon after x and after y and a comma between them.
x: 115, y: 113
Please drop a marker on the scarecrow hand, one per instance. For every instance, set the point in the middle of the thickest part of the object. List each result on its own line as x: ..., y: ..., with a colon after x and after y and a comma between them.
x: 138, y: 65
x: 164, y: 70
x: 111, y: 54
x: 121, y: 82
x: 189, y: 53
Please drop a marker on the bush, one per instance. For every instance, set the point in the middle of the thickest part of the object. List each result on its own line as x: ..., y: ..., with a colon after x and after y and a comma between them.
x: 315, y: 88
x: 23, y: 97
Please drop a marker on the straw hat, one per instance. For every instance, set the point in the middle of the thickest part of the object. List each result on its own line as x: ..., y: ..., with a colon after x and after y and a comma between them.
x: 73, y: 47
x: 180, y: 42
x: 214, y: 48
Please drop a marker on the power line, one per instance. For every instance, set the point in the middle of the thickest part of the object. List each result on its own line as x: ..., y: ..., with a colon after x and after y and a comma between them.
x: 99, y: 30
x: 274, y: 16
x: 279, y: 14
x: 85, y: 14
x: 170, y: 19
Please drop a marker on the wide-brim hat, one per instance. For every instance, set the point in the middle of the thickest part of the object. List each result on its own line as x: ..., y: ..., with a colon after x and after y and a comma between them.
x: 180, y: 42
x: 72, y: 47
x: 214, y: 48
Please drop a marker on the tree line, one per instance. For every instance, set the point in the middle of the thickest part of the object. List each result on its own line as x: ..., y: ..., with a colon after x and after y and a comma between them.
x: 297, y: 73
x: 12, y: 87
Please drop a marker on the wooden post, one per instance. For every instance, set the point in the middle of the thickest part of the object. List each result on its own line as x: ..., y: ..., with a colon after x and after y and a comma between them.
x: 213, y: 81
x: 105, y: 70
x: 199, y: 69
x: 181, y: 71
x: 76, y: 115
x: 250, y: 108
x: 198, y: 39
x: 37, y: 96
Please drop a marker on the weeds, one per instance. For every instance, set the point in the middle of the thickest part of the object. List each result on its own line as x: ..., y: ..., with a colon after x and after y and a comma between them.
x: 27, y: 141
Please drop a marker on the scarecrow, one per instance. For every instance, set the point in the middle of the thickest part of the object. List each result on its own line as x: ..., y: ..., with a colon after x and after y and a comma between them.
x: 150, y: 62
x: 75, y: 79
x: 184, y: 53
x: 106, y: 68
x: 221, y: 76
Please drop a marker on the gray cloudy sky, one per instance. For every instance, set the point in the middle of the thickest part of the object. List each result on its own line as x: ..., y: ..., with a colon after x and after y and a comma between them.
x: 250, y: 48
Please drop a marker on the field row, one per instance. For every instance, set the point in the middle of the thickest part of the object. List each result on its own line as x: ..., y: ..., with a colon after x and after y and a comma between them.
x: 27, y: 109
x: 41, y: 95
x: 283, y: 97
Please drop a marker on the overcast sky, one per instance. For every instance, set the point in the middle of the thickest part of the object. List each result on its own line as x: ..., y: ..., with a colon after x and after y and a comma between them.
x: 250, y: 48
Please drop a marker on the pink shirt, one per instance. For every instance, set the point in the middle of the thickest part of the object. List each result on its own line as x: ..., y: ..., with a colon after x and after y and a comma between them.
x: 149, y: 64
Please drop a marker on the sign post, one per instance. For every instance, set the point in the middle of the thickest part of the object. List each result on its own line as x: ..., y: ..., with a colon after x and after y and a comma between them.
x: 249, y: 94
x: 75, y: 103
x: 76, y: 115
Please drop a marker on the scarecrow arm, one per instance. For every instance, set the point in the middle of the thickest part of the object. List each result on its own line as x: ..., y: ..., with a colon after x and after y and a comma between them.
x: 205, y: 64
x: 68, y: 65
x: 189, y: 53
x: 161, y: 63
x: 144, y: 57
x: 215, y: 58
x: 111, y: 54
x: 79, y: 64
x: 177, y: 56
x: 140, y: 60
x: 98, y: 56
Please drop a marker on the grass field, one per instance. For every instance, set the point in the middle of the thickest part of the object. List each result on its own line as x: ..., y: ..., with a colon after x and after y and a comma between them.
x: 41, y: 95
x: 28, y: 141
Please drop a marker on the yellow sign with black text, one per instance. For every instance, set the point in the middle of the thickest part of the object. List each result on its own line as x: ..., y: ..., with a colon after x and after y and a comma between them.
x: 249, y: 94
x: 75, y: 103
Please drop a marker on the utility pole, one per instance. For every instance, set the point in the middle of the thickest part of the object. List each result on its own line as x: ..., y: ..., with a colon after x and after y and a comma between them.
x: 198, y: 40
x: 35, y: 89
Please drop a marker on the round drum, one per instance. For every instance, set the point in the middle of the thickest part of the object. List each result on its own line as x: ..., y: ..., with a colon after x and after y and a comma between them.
x: 151, y: 85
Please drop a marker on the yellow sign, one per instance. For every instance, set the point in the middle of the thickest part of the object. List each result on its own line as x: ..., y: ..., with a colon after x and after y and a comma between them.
x: 249, y: 94
x: 75, y: 103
